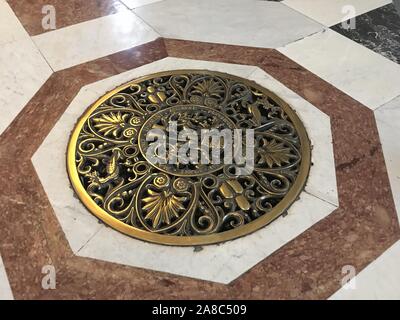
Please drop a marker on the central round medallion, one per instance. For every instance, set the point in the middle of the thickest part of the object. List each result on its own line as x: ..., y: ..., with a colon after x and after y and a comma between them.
x: 185, y: 117
x: 157, y: 158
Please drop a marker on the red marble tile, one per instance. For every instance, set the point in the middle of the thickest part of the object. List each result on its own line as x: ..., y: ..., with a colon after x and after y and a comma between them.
x: 70, y: 12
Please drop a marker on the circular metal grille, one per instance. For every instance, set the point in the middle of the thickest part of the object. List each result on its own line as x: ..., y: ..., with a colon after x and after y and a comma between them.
x: 181, y: 203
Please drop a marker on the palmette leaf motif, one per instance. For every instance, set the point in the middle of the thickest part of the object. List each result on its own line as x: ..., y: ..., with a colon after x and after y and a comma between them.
x: 111, y: 123
x: 161, y: 207
x: 187, y: 200
x: 209, y: 88
x: 276, y: 153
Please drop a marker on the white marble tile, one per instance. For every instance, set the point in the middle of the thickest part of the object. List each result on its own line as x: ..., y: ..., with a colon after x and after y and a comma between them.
x: 380, y: 280
x: 5, y: 290
x: 322, y: 179
x: 22, y: 72
x: 131, y: 4
x: 219, y: 263
x: 93, y: 39
x: 248, y: 23
x: 359, y: 72
x: 388, y: 121
x: 330, y: 12
x: 10, y: 28
x: 49, y: 161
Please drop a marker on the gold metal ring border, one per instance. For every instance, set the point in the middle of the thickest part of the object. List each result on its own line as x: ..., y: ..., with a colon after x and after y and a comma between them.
x: 244, y: 230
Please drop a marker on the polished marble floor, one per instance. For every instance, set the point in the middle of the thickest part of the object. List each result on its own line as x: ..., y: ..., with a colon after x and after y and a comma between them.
x: 57, y: 57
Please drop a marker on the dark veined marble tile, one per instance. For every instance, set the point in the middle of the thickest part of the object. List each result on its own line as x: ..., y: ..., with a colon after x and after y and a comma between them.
x: 378, y: 30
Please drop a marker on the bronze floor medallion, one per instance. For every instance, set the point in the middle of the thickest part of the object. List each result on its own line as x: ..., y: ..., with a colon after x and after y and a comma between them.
x: 187, y: 202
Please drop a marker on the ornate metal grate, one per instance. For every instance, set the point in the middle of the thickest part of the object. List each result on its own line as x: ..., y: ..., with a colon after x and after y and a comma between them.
x: 181, y: 203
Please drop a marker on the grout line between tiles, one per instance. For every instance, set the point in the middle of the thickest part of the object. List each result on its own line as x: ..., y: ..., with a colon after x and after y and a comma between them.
x: 90, y: 238
x: 146, y: 23
x: 44, y: 57
x: 384, y: 104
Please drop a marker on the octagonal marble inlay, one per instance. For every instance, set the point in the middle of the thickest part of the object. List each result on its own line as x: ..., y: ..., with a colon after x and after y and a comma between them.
x: 222, y: 262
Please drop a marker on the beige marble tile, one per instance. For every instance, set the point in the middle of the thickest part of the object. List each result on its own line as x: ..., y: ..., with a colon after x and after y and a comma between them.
x: 218, y: 263
x: 330, y: 12
x: 93, y: 39
x: 359, y: 72
x: 388, y: 121
x: 131, y: 4
x: 249, y: 23
x: 23, y: 71
x: 10, y: 28
x: 49, y: 161
x: 5, y: 290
